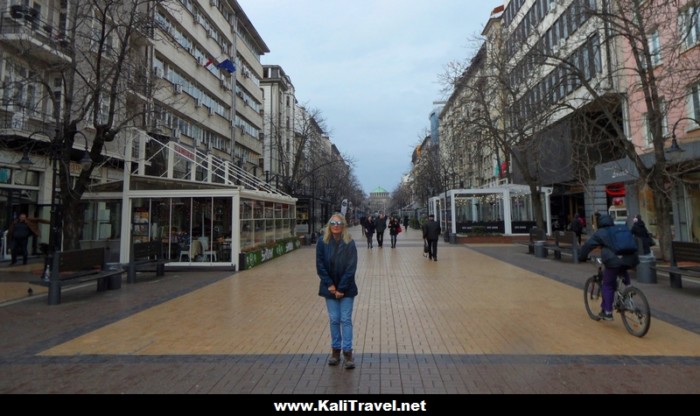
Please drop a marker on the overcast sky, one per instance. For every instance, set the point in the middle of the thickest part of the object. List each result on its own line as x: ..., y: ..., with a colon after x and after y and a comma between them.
x: 371, y: 67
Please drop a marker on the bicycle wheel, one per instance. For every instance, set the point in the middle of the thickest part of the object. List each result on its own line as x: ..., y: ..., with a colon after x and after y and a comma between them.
x: 635, y: 311
x: 591, y: 297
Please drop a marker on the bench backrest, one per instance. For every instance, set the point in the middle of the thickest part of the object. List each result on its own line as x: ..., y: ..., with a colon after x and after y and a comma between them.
x: 148, y: 250
x: 685, y: 251
x: 566, y: 238
x: 80, y: 260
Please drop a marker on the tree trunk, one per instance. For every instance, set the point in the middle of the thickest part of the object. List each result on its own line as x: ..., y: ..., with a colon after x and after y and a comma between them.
x: 537, y: 206
x: 663, y: 205
x: 72, y: 222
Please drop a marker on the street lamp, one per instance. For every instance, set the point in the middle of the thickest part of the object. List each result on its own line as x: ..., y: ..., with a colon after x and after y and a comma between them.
x: 675, y: 148
x: 85, y: 161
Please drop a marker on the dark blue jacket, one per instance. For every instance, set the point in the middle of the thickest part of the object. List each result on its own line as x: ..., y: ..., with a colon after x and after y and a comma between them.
x: 338, y: 270
x: 380, y: 224
x: 601, y: 239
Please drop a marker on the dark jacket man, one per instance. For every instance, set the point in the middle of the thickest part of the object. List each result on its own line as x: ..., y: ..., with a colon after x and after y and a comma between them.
x: 431, y: 234
x: 601, y: 239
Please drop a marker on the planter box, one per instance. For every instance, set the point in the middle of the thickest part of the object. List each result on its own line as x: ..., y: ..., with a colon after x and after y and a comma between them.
x: 250, y: 259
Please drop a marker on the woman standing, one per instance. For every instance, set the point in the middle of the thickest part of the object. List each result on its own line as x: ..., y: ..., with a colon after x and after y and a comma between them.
x: 336, y: 263
x: 394, y: 230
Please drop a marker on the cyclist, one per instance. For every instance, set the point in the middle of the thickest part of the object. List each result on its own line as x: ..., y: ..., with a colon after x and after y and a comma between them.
x: 615, y: 265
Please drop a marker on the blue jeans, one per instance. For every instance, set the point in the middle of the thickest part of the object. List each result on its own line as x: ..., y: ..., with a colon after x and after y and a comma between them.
x: 340, y: 317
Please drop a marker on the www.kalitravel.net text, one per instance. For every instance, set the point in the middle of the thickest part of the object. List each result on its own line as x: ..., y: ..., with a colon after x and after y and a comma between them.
x: 351, y: 406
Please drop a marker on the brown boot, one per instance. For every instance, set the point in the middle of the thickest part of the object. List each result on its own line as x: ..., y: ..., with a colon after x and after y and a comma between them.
x: 349, y: 362
x: 335, y: 357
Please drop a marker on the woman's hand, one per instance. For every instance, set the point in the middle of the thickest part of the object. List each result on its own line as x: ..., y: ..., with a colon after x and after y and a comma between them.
x: 339, y: 294
x: 331, y: 289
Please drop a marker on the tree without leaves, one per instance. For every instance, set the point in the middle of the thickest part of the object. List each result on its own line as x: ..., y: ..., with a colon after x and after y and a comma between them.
x: 654, y: 78
x: 98, y: 78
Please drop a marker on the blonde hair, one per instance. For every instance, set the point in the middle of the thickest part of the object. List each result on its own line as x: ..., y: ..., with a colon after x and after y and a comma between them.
x: 327, y: 231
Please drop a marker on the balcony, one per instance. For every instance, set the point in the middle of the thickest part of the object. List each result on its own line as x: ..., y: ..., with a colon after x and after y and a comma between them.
x: 22, y: 31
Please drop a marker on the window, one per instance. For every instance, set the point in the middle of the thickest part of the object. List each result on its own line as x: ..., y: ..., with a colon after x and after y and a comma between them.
x: 694, y: 103
x: 655, y: 47
x: 648, y: 133
x: 689, y: 26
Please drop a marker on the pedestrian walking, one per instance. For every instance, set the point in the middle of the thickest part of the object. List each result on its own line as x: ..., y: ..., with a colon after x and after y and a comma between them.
x: 380, y: 227
x: 369, y: 230
x: 20, y: 231
x: 405, y: 222
x: 394, y: 230
x: 431, y: 234
x: 336, y: 263
x: 577, y: 226
x: 639, y: 230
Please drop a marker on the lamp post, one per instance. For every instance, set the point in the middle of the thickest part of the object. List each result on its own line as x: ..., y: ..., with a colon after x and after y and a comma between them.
x: 675, y: 148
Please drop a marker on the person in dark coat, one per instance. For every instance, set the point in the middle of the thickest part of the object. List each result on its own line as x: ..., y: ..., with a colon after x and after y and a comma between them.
x: 639, y: 230
x: 577, y: 226
x: 431, y: 234
x: 394, y: 230
x: 380, y: 227
x: 336, y: 264
x: 18, y: 234
x: 369, y: 230
x: 614, y: 265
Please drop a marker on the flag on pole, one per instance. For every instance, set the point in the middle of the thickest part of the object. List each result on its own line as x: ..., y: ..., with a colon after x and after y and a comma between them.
x: 227, y: 65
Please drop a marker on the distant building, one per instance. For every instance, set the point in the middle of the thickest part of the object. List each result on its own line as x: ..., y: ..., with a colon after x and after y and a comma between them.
x: 379, y: 200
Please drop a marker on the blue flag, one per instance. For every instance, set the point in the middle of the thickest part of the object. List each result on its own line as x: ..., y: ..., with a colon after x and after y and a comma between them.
x: 227, y: 65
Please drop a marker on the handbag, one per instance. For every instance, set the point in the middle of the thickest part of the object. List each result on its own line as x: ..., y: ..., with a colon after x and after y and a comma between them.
x: 426, y: 248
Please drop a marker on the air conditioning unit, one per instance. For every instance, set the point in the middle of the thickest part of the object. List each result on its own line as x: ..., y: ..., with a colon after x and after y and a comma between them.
x: 210, y: 33
x: 178, y: 89
x: 239, y: 94
x: 197, y: 102
x: 211, y: 111
x: 198, y: 59
x: 552, y: 6
x: 212, y: 3
x: 176, y: 133
x: 158, y: 72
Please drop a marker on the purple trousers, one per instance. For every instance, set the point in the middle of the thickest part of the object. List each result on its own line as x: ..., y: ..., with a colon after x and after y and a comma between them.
x: 609, y: 281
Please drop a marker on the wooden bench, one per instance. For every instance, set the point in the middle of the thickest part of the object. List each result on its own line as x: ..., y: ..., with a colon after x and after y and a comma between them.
x: 565, y: 242
x: 536, y: 234
x: 685, y: 261
x: 79, y: 266
x: 146, y: 257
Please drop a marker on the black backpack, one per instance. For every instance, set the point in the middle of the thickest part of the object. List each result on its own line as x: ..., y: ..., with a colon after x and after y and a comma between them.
x: 621, y: 240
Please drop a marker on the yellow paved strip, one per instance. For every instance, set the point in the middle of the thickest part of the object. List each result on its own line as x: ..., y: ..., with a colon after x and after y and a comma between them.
x: 466, y: 303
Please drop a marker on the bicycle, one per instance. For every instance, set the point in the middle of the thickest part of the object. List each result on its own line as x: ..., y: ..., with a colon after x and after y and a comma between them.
x: 629, y: 302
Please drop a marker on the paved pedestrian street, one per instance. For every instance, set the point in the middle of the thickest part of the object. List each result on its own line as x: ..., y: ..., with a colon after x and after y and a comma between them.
x: 484, y: 319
